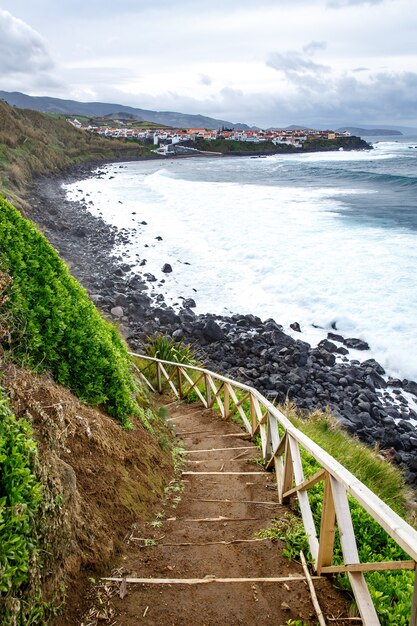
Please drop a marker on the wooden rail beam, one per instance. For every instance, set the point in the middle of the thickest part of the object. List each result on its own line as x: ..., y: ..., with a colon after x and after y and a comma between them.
x: 280, y: 449
x: 327, y: 527
x: 194, y: 385
x: 306, y: 484
x: 378, y: 566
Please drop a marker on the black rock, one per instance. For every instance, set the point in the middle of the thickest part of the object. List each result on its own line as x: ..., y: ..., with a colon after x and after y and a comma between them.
x: 327, y: 345
x: 374, y: 365
x: 356, y: 344
x: 212, y: 331
x: 296, y: 326
x: 166, y: 268
x: 410, y: 386
x: 335, y: 337
x: 342, y: 350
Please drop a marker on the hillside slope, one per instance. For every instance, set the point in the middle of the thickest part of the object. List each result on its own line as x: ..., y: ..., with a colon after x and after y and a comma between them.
x: 72, y: 480
x: 32, y: 143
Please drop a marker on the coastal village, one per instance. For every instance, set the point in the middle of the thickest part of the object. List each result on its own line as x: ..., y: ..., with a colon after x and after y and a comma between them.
x: 173, y: 136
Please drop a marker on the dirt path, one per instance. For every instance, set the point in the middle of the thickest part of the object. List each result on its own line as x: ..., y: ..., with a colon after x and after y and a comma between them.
x: 216, y: 508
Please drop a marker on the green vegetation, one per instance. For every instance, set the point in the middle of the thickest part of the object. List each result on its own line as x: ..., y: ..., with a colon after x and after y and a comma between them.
x: 20, y: 498
x: 130, y: 121
x: 233, y: 147
x: 267, y: 147
x: 34, y: 143
x: 167, y: 349
x: 53, y: 325
x: 391, y: 591
x: 383, y: 478
x: 315, y: 144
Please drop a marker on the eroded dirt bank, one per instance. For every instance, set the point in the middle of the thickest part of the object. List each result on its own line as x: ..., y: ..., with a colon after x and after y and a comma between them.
x: 97, y: 480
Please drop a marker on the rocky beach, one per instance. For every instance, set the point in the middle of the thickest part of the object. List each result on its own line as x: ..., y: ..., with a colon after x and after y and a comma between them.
x: 364, y: 399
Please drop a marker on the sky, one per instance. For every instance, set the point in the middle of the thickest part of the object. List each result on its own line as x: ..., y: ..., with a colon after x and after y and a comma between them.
x: 262, y: 62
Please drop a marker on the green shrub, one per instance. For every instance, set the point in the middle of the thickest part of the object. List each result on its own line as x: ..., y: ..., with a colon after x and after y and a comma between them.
x: 55, y: 326
x: 391, y: 591
x: 167, y: 349
x: 20, y: 497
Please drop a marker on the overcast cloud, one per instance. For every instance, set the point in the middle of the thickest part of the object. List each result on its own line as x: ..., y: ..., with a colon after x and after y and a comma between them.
x: 24, y: 56
x: 278, y: 62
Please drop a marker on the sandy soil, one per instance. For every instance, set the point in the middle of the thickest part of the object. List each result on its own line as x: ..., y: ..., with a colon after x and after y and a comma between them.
x: 188, y: 535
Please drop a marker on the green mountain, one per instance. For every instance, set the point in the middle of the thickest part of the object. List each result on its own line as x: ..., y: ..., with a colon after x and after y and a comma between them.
x: 94, y: 109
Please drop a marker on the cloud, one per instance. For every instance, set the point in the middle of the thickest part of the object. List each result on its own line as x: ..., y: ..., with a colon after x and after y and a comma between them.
x: 294, y: 63
x: 314, y: 46
x: 204, y: 79
x: 22, y: 49
x: 340, y: 4
x: 384, y: 97
x: 322, y: 100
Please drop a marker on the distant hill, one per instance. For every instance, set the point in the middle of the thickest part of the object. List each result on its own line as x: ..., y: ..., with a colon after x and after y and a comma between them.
x: 369, y: 132
x: 296, y: 127
x: 99, y: 109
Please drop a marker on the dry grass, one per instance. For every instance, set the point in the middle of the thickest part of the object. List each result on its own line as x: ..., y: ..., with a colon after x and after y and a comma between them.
x: 33, y: 143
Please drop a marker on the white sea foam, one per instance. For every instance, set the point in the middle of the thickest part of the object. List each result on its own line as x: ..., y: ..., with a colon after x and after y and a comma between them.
x: 275, y: 251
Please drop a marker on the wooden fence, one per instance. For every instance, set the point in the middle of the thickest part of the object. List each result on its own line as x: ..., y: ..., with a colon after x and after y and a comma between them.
x: 282, y: 443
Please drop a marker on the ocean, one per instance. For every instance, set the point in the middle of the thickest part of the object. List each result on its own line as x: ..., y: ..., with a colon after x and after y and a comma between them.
x: 325, y: 239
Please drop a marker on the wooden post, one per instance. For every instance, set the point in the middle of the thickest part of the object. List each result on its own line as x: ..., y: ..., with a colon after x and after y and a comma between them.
x: 208, y: 390
x: 303, y: 500
x: 288, y: 471
x: 253, y: 414
x: 158, y: 378
x: 269, y: 445
x: 226, y: 400
x: 350, y: 554
x: 413, y: 617
x: 180, y: 391
x: 327, y: 527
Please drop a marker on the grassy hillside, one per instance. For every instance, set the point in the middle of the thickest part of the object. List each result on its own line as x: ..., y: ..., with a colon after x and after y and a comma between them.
x: 34, y: 143
x: 48, y: 324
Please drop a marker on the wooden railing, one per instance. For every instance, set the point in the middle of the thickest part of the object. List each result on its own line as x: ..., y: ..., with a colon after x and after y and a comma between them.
x: 282, y: 443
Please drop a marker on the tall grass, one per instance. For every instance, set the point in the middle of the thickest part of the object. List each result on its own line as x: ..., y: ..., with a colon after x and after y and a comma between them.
x: 391, y: 591
x: 33, y: 143
x: 383, y: 478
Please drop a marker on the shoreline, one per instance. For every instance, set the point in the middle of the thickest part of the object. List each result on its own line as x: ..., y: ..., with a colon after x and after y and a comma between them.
x: 240, y: 346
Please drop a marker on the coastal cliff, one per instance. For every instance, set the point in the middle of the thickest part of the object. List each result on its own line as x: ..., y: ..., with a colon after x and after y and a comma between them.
x: 314, y: 144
